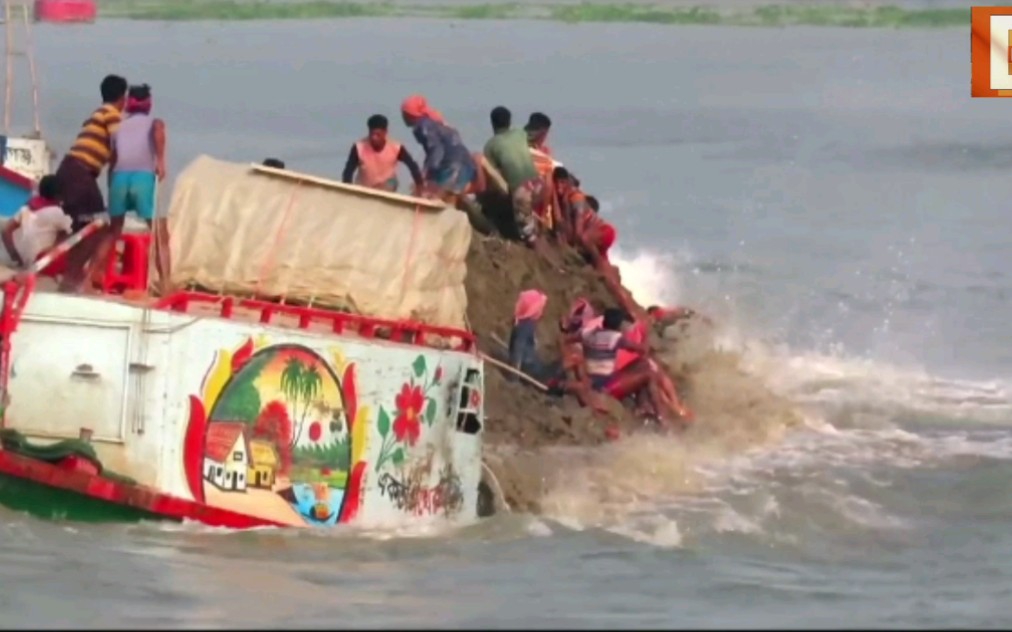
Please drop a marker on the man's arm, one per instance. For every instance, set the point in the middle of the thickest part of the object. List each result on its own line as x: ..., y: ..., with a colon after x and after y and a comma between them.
x: 573, y: 212
x: 629, y: 345
x: 573, y: 337
x: 490, y: 155
x: 350, y: 165
x: 113, y: 158
x: 582, y: 219
x: 8, y: 238
x: 409, y: 162
x: 112, y: 122
x: 158, y: 134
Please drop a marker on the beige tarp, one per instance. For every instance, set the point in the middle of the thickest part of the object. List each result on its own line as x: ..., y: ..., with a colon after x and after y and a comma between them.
x: 244, y: 229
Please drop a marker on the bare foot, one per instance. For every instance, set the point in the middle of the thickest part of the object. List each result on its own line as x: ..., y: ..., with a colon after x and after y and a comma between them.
x: 68, y: 287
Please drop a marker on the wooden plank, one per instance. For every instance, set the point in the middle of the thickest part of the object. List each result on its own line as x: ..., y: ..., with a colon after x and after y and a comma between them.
x: 407, y: 200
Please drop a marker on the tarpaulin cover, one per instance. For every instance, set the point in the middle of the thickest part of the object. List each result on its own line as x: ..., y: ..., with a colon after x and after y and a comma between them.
x: 240, y: 229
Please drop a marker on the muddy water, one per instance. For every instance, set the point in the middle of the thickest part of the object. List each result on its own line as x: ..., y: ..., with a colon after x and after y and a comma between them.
x: 833, y: 196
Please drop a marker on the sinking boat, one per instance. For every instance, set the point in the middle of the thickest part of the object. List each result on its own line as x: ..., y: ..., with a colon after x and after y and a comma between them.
x: 314, y: 369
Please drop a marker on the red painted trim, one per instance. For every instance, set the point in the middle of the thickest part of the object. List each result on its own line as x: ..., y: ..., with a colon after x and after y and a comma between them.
x: 16, y: 179
x: 406, y: 332
x: 136, y: 496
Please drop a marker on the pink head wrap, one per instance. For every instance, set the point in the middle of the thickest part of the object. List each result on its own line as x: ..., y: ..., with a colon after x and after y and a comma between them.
x: 416, y: 107
x: 138, y: 105
x: 530, y: 304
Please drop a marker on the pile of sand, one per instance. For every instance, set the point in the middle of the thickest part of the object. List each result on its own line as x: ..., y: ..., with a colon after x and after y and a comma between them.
x: 733, y: 409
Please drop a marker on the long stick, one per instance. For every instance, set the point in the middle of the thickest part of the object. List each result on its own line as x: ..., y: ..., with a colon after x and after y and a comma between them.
x: 411, y: 201
x: 514, y: 371
x: 65, y: 245
x: 9, y: 52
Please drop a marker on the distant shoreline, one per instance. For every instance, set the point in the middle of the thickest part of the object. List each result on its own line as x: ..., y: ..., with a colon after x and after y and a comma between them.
x: 706, y: 12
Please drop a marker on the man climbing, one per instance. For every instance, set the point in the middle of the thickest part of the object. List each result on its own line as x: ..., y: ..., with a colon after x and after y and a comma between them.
x: 592, y: 232
x: 601, y: 347
x: 529, y: 308
x: 537, y: 129
x: 137, y: 165
x: 507, y: 152
x: 572, y: 204
x: 78, y: 176
x: 450, y: 171
x: 375, y: 158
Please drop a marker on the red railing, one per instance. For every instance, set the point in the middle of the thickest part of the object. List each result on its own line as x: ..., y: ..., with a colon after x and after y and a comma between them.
x: 15, y: 298
x: 408, y: 332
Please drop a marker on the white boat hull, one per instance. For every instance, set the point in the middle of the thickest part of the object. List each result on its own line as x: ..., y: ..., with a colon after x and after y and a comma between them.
x: 291, y: 427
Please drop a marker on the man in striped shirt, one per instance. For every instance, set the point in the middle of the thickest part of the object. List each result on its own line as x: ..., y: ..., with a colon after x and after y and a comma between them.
x: 78, y: 176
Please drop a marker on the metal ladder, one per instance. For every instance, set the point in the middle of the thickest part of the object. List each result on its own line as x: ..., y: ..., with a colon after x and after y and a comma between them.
x: 17, y: 20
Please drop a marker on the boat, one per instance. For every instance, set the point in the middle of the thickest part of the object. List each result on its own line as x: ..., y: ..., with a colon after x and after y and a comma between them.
x: 66, y: 11
x: 313, y: 368
x: 28, y: 153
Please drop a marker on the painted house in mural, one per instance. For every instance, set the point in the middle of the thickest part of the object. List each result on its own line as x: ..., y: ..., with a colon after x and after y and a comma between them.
x: 290, y: 383
x: 226, y: 457
x: 263, y: 466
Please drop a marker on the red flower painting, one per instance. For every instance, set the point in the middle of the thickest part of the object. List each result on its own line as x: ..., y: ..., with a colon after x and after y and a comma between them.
x: 408, y: 424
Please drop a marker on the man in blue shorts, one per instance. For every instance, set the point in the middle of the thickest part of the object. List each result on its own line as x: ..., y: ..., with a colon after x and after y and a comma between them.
x: 138, y: 163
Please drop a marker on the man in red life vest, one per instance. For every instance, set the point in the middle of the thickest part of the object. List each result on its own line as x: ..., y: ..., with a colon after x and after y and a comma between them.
x: 375, y: 157
x: 594, y: 232
x: 635, y: 376
x: 572, y: 203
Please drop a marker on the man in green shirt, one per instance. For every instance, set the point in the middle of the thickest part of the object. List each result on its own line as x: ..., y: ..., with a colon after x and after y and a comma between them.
x: 509, y: 153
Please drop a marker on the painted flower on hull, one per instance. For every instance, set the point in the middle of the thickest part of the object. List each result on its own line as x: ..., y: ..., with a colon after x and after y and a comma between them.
x: 408, y: 424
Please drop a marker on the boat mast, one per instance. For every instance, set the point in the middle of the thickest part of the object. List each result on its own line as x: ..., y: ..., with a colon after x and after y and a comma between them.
x: 16, y: 17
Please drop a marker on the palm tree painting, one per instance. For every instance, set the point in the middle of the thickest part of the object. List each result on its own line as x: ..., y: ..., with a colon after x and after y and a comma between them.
x: 302, y: 387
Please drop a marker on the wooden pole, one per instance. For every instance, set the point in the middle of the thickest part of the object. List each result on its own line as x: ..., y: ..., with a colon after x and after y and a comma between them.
x: 514, y: 371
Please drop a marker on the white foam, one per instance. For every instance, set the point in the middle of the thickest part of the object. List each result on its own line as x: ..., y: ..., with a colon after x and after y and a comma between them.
x: 851, y: 407
x: 825, y: 378
x: 649, y: 276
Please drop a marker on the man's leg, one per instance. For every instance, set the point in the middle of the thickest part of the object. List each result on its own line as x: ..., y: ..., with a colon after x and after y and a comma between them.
x: 636, y: 377
x: 145, y: 192
x: 120, y: 194
x: 527, y: 223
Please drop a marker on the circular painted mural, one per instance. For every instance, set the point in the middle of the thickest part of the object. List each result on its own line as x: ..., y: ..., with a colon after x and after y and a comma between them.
x: 277, y: 440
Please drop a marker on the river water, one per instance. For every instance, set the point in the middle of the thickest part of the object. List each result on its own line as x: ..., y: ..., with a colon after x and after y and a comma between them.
x: 834, y: 197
